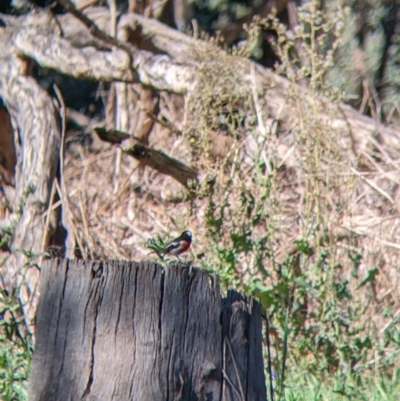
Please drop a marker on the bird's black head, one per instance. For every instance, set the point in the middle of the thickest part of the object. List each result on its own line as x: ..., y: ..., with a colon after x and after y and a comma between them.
x: 186, y: 235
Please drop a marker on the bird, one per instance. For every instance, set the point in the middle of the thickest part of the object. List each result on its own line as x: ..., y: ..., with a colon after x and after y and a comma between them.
x: 178, y: 246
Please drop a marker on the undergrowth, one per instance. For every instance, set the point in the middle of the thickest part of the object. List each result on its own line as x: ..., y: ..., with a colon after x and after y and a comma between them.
x: 15, y: 350
x: 278, y: 224
x: 16, y: 343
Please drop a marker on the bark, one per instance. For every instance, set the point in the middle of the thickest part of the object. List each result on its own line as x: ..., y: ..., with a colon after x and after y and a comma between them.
x: 117, y: 330
x: 37, y: 143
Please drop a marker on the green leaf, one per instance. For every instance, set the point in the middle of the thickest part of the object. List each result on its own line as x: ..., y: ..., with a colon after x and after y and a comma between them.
x: 370, y: 277
x: 266, y: 298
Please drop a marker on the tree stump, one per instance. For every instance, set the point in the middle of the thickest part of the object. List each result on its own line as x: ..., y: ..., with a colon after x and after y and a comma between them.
x: 118, y: 330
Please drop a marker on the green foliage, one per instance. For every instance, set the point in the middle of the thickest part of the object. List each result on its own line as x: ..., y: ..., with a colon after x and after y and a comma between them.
x: 15, y: 341
x: 7, y: 232
x: 316, y: 297
x: 368, y: 56
x: 157, y: 244
x: 342, y: 386
x: 15, y: 351
x: 364, y: 68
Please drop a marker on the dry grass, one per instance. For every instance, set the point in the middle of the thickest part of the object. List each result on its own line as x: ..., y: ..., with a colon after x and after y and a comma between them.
x: 115, y: 215
x: 308, y: 194
x: 273, y: 182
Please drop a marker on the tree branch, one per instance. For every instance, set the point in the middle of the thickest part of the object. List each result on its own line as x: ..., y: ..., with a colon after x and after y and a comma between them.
x: 359, y: 131
x: 152, y: 158
x: 37, y: 141
x: 93, y: 28
x: 44, y: 45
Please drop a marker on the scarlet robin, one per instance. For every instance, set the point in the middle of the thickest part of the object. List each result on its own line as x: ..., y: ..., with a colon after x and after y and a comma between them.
x: 177, y: 246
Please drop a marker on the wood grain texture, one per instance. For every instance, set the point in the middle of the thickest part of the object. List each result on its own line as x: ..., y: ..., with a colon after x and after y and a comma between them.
x: 120, y: 330
x: 242, y: 349
x: 44, y: 44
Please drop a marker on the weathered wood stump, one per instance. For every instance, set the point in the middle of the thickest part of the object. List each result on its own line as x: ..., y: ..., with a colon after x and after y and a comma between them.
x: 117, y: 330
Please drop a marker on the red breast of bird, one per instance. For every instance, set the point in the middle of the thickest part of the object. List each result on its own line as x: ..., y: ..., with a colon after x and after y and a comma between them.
x: 178, y: 245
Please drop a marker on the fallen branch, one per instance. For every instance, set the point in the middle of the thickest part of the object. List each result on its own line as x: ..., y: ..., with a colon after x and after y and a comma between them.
x: 170, y: 66
x: 152, y: 158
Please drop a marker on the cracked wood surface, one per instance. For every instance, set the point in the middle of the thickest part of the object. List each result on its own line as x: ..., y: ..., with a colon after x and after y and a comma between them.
x: 118, y: 330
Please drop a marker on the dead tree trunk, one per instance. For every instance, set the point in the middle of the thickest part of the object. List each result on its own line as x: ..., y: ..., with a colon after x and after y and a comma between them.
x: 120, y: 330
